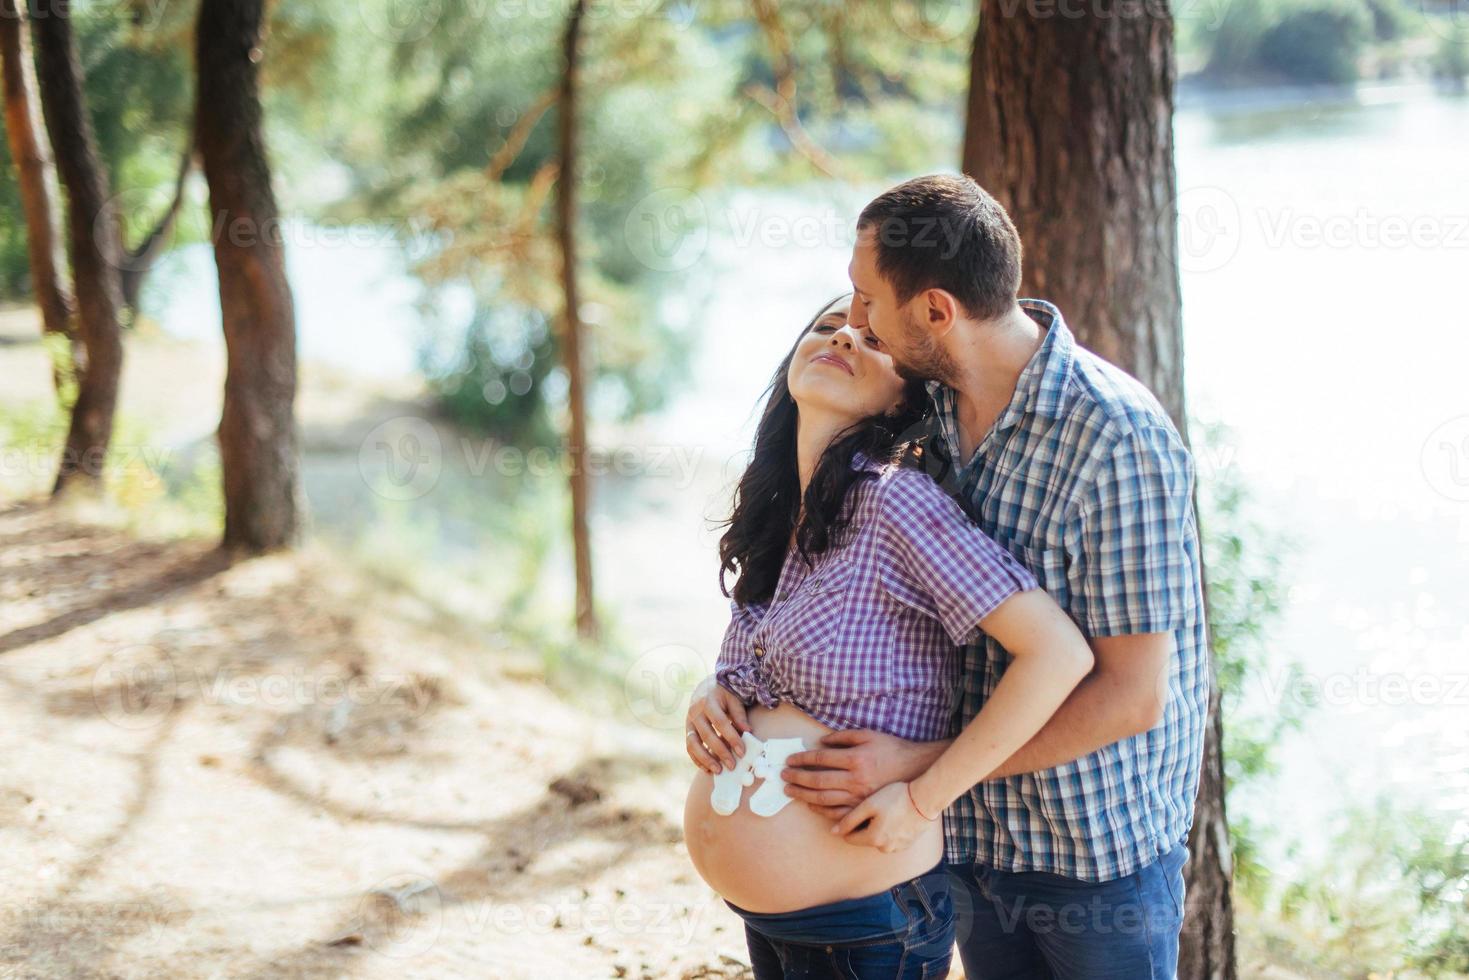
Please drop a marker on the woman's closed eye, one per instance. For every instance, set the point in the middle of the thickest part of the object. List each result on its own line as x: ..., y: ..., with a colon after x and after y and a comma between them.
x: 825, y: 328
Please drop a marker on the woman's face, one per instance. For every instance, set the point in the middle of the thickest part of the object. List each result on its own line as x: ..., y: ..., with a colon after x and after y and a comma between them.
x: 839, y: 370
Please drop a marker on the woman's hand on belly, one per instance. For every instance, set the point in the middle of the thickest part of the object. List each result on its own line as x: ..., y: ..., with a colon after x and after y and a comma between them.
x: 886, y: 820
x: 790, y: 860
x: 715, y: 721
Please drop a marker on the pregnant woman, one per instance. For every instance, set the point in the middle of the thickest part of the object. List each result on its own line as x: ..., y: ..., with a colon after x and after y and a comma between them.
x: 857, y: 579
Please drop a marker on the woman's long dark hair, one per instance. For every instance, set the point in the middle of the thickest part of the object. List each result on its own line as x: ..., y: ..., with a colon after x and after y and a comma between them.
x: 767, y: 501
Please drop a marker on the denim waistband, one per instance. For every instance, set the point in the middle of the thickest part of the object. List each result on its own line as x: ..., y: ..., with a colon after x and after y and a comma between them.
x: 856, y: 919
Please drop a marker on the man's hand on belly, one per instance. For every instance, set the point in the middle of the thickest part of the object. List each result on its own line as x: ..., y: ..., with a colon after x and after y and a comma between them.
x: 849, y: 766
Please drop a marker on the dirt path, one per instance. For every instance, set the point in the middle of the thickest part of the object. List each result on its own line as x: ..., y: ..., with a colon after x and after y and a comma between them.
x: 274, y: 770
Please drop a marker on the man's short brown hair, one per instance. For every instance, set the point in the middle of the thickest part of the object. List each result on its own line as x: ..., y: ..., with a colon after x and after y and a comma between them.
x: 946, y: 232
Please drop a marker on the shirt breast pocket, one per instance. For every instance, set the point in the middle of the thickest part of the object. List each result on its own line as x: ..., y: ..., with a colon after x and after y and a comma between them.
x: 813, y: 615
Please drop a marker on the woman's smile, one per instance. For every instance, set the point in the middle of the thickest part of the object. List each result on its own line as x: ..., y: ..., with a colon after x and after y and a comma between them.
x: 834, y: 358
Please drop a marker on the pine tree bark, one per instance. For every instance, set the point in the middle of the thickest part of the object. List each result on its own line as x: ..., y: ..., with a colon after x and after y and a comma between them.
x: 92, y: 238
x: 35, y: 177
x: 571, y: 336
x: 1070, y: 126
x: 257, y: 430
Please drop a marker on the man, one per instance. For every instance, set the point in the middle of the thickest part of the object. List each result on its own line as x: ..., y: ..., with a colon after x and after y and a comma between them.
x: 1070, y: 856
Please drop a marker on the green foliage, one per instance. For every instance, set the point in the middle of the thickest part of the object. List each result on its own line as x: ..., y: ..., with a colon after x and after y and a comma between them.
x: 1435, y: 865
x: 481, y: 77
x: 1315, y: 44
x: 401, y: 117
x: 15, y: 266
x: 1451, y: 59
x: 139, y: 93
x: 510, y: 604
x: 671, y: 101
x: 1305, y: 41
x: 138, y: 59
x: 1388, y: 897
x: 493, y: 383
x: 1389, y: 19
x: 59, y: 352
x: 159, y: 491
x: 1391, y: 894
x: 1245, y: 560
x: 31, y: 437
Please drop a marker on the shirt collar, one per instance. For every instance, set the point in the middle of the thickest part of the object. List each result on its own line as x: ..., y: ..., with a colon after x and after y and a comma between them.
x: 1041, y: 388
x: 1048, y: 375
x: 860, y: 461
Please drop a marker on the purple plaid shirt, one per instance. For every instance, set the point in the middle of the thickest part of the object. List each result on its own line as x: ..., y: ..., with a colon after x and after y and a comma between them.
x: 869, y: 636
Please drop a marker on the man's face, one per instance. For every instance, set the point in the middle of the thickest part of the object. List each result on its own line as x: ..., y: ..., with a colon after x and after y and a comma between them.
x: 875, y: 307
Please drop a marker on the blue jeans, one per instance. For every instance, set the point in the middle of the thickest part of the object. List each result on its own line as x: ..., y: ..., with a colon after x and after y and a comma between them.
x: 906, y: 931
x: 1037, y: 926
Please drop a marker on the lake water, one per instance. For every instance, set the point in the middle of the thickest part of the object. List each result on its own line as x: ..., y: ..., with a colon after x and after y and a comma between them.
x: 1325, y: 261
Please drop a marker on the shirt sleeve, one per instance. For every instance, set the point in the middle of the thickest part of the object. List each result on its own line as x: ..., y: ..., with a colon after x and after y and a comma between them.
x: 735, y: 668
x: 938, y: 561
x: 1133, y: 570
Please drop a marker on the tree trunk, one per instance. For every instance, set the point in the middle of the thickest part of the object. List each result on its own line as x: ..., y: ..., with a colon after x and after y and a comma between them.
x: 1208, y: 928
x: 35, y: 177
x: 257, y: 430
x: 93, y: 243
x: 586, y: 618
x: 1070, y: 125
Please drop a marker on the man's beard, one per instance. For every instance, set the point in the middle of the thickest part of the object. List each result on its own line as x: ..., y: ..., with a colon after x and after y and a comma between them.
x: 923, y: 358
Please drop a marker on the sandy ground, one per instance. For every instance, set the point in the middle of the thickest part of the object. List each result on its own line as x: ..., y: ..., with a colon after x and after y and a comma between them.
x: 261, y: 770
x: 277, y: 768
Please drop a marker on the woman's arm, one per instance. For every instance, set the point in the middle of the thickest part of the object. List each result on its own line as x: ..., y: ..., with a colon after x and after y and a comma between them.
x: 934, y: 560
x: 1050, y: 657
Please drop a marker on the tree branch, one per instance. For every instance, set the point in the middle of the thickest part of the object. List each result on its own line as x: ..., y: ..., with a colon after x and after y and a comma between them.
x: 782, y: 101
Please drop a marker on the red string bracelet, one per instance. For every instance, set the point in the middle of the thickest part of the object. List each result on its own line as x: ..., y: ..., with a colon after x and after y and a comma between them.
x: 915, y: 802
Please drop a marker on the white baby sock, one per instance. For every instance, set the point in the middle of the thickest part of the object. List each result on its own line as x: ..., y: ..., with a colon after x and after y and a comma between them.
x: 771, y: 798
x: 730, y: 783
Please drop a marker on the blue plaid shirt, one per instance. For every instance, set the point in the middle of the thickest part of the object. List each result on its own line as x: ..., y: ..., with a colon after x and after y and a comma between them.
x: 1085, y: 480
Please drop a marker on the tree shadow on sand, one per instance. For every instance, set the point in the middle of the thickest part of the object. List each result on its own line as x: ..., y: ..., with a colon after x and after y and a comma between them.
x: 266, y: 627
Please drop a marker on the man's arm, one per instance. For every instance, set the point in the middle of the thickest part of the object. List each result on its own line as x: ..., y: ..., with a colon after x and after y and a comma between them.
x: 1124, y: 695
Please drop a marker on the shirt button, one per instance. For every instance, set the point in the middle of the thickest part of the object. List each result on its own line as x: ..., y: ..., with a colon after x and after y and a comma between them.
x: 784, y: 595
x: 759, y: 650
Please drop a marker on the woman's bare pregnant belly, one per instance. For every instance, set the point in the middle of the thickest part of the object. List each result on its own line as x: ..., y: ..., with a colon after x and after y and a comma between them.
x: 791, y: 860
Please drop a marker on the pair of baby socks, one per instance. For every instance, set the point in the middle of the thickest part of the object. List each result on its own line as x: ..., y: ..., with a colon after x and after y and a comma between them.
x: 764, y: 760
